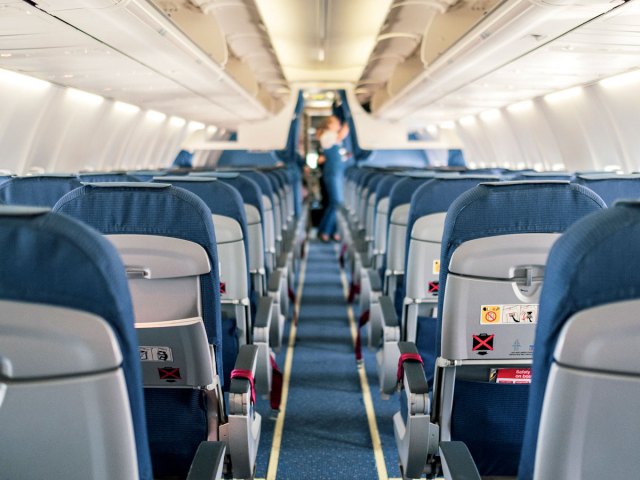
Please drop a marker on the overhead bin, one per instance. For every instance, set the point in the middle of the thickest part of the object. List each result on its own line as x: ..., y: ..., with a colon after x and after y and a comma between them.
x: 449, y: 59
x: 131, y: 27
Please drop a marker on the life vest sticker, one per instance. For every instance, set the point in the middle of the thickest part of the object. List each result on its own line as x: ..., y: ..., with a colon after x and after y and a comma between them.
x: 511, y: 314
x: 482, y: 343
x: 170, y: 374
x: 155, y: 354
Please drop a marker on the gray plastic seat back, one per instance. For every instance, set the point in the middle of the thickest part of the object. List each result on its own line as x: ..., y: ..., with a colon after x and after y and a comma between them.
x: 591, y: 410
x: 62, y: 392
x: 164, y: 282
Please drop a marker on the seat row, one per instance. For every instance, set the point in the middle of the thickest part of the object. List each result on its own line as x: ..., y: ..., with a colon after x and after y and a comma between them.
x: 449, y: 269
x: 199, y: 264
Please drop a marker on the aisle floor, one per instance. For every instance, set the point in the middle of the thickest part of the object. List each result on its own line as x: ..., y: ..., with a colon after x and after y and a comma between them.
x: 326, y: 433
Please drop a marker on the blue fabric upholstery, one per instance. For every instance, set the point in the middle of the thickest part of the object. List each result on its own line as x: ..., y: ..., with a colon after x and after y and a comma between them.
x: 384, y: 187
x: 235, y: 158
x: 222, y: 199
x: 407, y: 158
x: 612, y: 187
x: 38, y: 190
x: 248, y: 189
x: 403, y: 190
x: 153, y: 209
x: 157, y: 209
x: 266, y: 186
x: 52, y: 259
x: 595, y: 262
x: 400, y: 194
x: 432, y: 197
x: 493, y: 209
x: 146, y: 175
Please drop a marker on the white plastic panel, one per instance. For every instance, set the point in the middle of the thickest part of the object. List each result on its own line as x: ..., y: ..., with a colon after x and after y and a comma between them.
x: 232, y: 258
x: 76, y: 429
x: 592, y: 418
x: 397, y: 238
x: 40, y: 341
x: 501, y: 256
x: 602, y: 338
x: 161, y: 257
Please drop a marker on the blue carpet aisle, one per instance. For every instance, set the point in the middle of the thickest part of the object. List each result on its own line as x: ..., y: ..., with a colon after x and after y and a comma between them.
x: 325, y: 431
x: 326, y: 434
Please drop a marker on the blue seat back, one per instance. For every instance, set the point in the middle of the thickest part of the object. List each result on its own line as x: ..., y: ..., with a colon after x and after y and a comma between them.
x: 37, y: 190
x: 612, y: 187
x: 594, y: 263
x: 153, y: 209
x: 494, y: 434
x: 52, y: 259
x: 221, y: 198
x: 164, y: 210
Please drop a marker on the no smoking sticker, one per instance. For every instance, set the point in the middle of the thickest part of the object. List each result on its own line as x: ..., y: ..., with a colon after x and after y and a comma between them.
x: 491, y: 314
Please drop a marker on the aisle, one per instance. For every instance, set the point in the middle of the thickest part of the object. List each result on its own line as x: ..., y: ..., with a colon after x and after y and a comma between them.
x: 326, y: 433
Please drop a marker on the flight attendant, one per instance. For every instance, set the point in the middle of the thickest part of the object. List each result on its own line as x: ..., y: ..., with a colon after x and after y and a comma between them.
x: 331, y: 136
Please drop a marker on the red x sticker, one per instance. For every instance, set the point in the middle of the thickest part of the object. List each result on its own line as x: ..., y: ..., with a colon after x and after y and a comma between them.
x: 434, y: 287
x: 482, y: 343
x: 223, y: 288
x: 169, y: 373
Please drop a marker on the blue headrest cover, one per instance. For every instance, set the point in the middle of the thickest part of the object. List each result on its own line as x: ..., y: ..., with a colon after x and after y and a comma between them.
x: 41, y: 191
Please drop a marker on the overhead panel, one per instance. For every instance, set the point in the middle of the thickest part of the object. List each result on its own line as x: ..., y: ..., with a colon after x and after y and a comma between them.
x: 601, y: 48
x: 518, y: 51
x: 320, y: 41
x: 133, y: 54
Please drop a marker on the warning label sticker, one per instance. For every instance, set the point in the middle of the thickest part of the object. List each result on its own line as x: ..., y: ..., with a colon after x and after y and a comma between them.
x: 436, y: 267
x: 515, y: 314
x: 169, y: 374
x: 155, y: 354
x: 491, y: 314
x: 482, y: 343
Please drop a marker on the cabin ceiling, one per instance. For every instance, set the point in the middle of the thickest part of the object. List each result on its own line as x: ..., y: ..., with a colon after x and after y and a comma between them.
x: 229, y: 62
x: 323, y: 41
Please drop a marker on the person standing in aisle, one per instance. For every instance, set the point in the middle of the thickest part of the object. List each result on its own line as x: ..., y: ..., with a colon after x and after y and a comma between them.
x: 331, y: 136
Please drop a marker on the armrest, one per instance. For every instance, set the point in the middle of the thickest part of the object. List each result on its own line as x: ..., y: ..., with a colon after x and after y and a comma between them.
x: 263, y: 313
x: 457, y: 463
x: 281, y: 261
x: 415, y: 381
x: 241, y: 390
x: 208, y: 462
x: 365, y: 259
x: 374, y: 280
x: 274, y: 282
x: 389, y: 316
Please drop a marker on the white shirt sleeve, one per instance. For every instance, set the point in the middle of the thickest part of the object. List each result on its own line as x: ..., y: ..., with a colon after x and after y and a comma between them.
x: 328, y: 139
